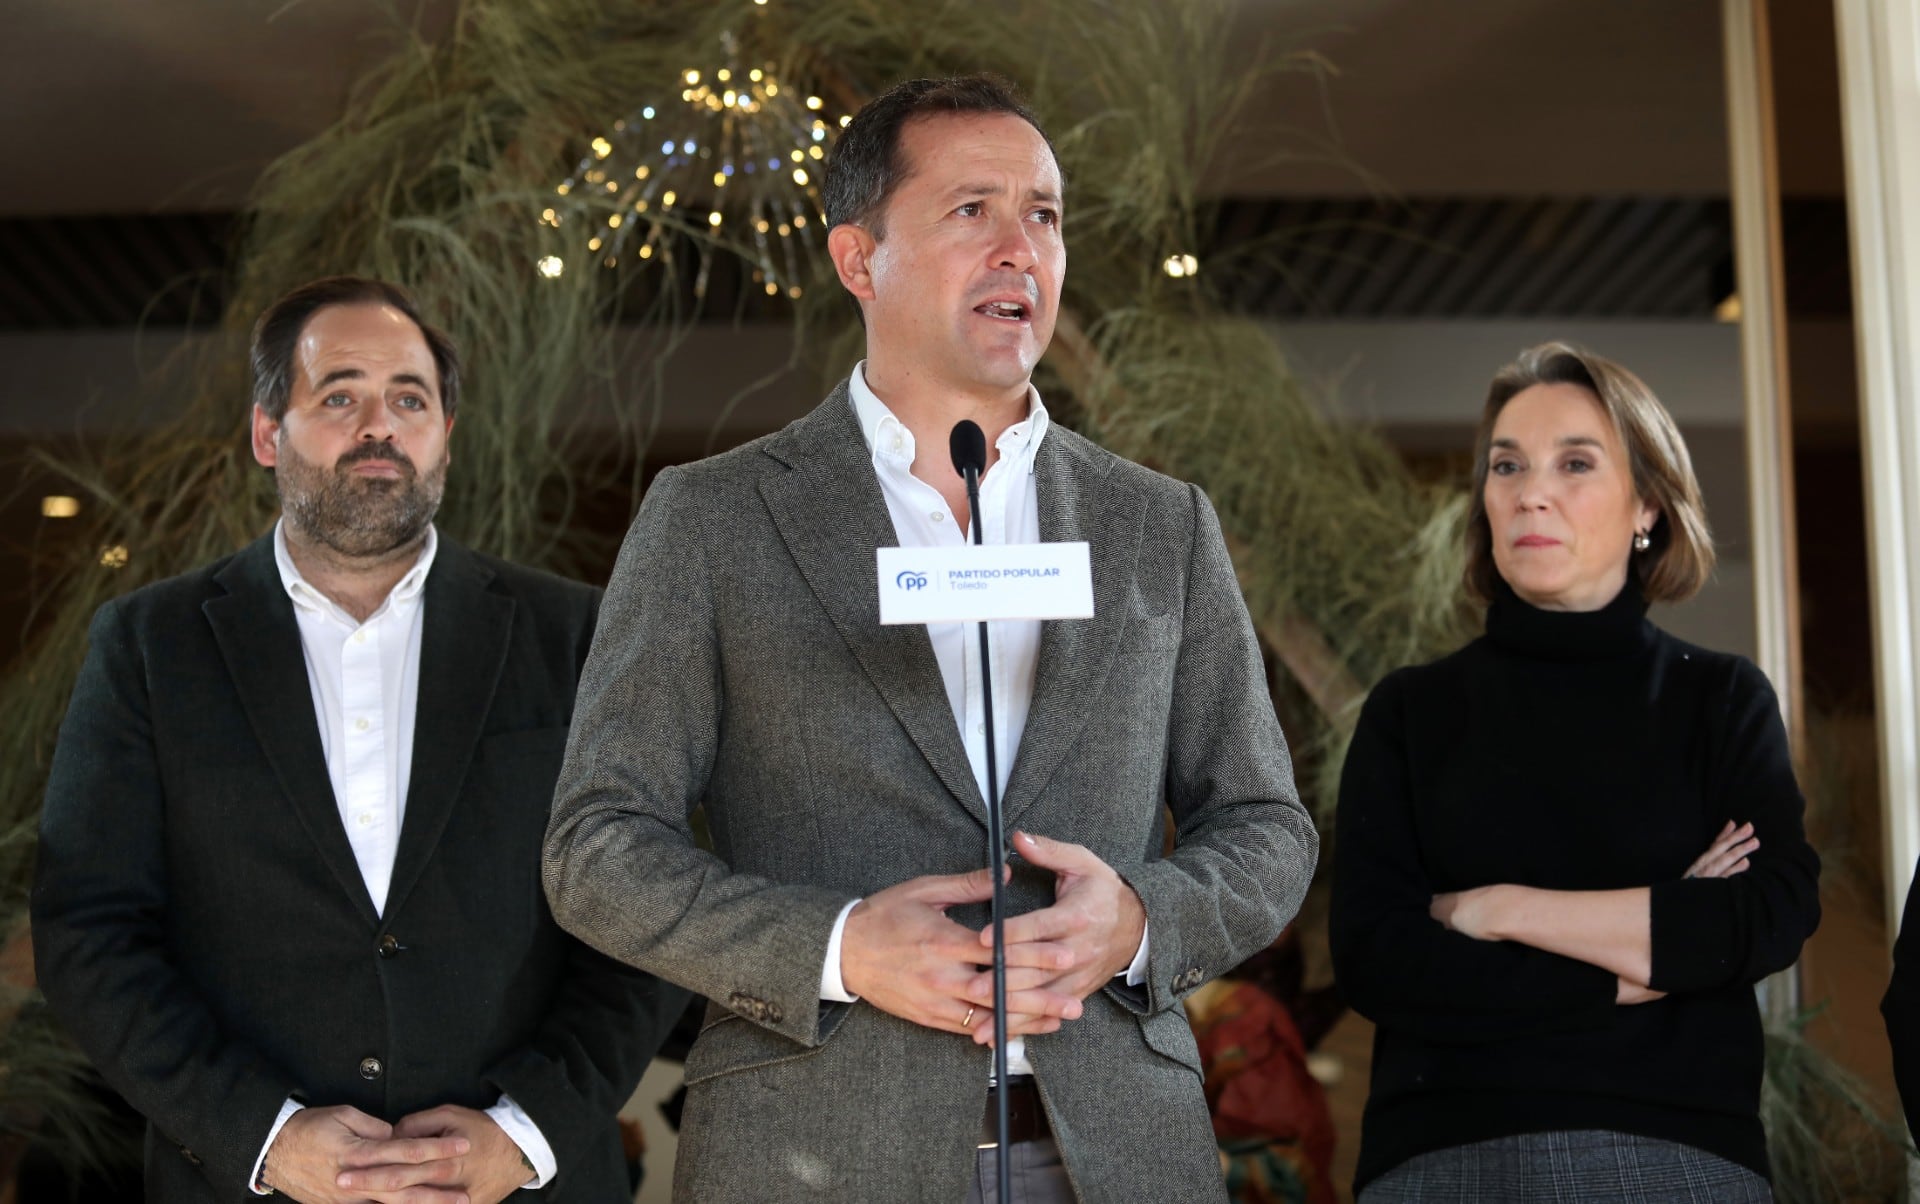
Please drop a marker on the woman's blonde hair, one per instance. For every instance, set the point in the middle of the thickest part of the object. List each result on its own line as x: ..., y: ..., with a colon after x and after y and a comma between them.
x: 1680, y: 558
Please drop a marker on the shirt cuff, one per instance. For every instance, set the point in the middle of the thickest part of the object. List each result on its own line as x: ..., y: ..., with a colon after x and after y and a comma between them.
x: 521, y: 1130
x: 1137, y: 972
x: 259, y: 1164
x: 833, y: 988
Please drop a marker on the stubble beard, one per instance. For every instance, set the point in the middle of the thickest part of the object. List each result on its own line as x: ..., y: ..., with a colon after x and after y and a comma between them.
x: 359, y: 516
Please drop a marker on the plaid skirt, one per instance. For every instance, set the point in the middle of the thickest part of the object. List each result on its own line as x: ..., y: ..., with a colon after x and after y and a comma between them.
x: 1587, y: 1166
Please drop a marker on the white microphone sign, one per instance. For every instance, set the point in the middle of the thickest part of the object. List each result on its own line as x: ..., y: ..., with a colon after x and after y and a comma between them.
x: 974, y: 584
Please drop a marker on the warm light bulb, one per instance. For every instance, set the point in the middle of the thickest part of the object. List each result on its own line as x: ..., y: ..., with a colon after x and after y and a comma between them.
x: 602, y: 148
x: 59, y: 506
x: 551, y: 267
x: 800, y: 176
x: 713, y: 219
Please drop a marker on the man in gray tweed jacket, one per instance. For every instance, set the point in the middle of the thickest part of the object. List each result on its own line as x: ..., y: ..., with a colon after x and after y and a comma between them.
x: 836, y: 927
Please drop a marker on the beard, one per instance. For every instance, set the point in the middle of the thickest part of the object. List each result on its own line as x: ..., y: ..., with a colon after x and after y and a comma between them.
x: 355, y: 515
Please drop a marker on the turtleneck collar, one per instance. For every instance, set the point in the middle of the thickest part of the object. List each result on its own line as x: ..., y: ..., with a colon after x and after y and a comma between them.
x: 1616, y: 631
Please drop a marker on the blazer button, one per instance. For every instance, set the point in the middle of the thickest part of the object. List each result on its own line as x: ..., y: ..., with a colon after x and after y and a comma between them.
x: 390, y: 946
x: 192, y: 1158
x: 775, y: 1013
x: 370, y: 1068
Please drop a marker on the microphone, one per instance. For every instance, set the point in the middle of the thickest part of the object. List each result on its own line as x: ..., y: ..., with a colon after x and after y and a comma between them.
x: 968, y: 447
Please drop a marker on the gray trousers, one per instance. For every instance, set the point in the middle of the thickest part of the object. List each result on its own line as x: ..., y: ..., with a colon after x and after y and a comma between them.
x: 1587, y: 1166
x: 1038, y: 1175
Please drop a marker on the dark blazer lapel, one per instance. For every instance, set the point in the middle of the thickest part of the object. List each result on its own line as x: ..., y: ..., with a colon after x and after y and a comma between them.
x: 1078, y: 501
x: 831, y: 515
x: 259, y: 638
x: 464, y: 635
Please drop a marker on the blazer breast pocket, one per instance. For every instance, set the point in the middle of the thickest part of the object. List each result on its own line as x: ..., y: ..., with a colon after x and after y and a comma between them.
x: 521, y: 767
x: 1150, y: 632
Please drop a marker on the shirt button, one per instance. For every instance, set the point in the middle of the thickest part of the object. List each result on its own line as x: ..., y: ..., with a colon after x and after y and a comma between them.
x: 936, y: 516
x: 364, y: 818
x: 361, y: 724
x: 370, y: 1068
x: 899, y: 444
x: 359, y: 637
x: 979, y: 729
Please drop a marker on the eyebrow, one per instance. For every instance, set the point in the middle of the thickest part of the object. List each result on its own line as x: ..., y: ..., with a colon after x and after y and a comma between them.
x: 403, y: 378
x: 1563, y: 441
x: 976, y: 190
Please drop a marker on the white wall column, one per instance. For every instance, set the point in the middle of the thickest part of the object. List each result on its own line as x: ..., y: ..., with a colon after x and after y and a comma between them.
x: 1880, y: 106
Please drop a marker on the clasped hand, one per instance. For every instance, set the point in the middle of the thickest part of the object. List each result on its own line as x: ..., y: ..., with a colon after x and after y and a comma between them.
x: 901, y: 953
x: 448, y: 1155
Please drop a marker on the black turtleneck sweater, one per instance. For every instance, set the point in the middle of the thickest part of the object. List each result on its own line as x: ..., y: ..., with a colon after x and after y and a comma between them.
x: 1572, y: 752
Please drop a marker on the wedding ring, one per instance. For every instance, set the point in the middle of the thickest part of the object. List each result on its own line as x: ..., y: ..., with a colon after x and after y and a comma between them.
x: 968, y: 1022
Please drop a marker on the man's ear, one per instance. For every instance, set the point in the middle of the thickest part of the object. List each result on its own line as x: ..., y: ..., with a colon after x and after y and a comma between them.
x: 266, y: 435
x: 851, y: 248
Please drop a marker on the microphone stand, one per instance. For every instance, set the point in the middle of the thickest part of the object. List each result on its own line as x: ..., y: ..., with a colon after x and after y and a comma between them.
x: 997, y: 846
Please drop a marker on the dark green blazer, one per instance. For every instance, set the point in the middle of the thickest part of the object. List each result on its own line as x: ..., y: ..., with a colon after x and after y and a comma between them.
x: 202, y: 928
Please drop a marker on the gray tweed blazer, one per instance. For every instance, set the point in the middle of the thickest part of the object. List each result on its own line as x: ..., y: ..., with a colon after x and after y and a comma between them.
x: 740, y: 665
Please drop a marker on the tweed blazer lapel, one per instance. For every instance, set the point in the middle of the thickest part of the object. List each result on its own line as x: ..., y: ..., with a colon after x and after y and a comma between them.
x: 831, y: 515
x: 1078, y: 501
x: 259, y: 638
x: 464, y: 636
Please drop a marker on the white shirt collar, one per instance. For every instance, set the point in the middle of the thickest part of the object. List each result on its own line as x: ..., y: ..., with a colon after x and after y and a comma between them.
x: 305, y: 596
x: 889, y: 440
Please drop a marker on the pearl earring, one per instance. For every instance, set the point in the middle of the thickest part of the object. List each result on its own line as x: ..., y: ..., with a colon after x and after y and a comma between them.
x: 1642, y: 541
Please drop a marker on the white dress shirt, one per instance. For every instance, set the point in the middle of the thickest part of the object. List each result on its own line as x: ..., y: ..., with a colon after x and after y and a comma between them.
x: 1009, y: 514
x: 365, y: 679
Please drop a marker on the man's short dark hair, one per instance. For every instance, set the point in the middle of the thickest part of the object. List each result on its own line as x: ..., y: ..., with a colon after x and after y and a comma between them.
x: 865, y: 165
x: 278, y: 331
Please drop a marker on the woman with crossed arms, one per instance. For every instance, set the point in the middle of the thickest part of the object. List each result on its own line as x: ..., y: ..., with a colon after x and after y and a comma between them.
x: 1561, y: 980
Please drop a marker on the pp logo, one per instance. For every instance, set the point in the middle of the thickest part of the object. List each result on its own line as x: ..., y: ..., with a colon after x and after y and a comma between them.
x: 910, y: 580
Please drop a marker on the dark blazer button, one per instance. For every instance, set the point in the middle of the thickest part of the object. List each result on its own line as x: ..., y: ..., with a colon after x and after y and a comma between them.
x: 390, y: 946
x: 370, y: 1068
x: 191, y: 1157
x: 775, y: 1013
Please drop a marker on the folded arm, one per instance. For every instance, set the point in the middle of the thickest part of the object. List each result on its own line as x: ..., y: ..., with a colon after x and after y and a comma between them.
x: 1740, y: 912
x: 1393, y: 961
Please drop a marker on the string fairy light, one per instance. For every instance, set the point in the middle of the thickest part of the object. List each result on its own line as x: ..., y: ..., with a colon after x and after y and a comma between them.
x: 723, y: 162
